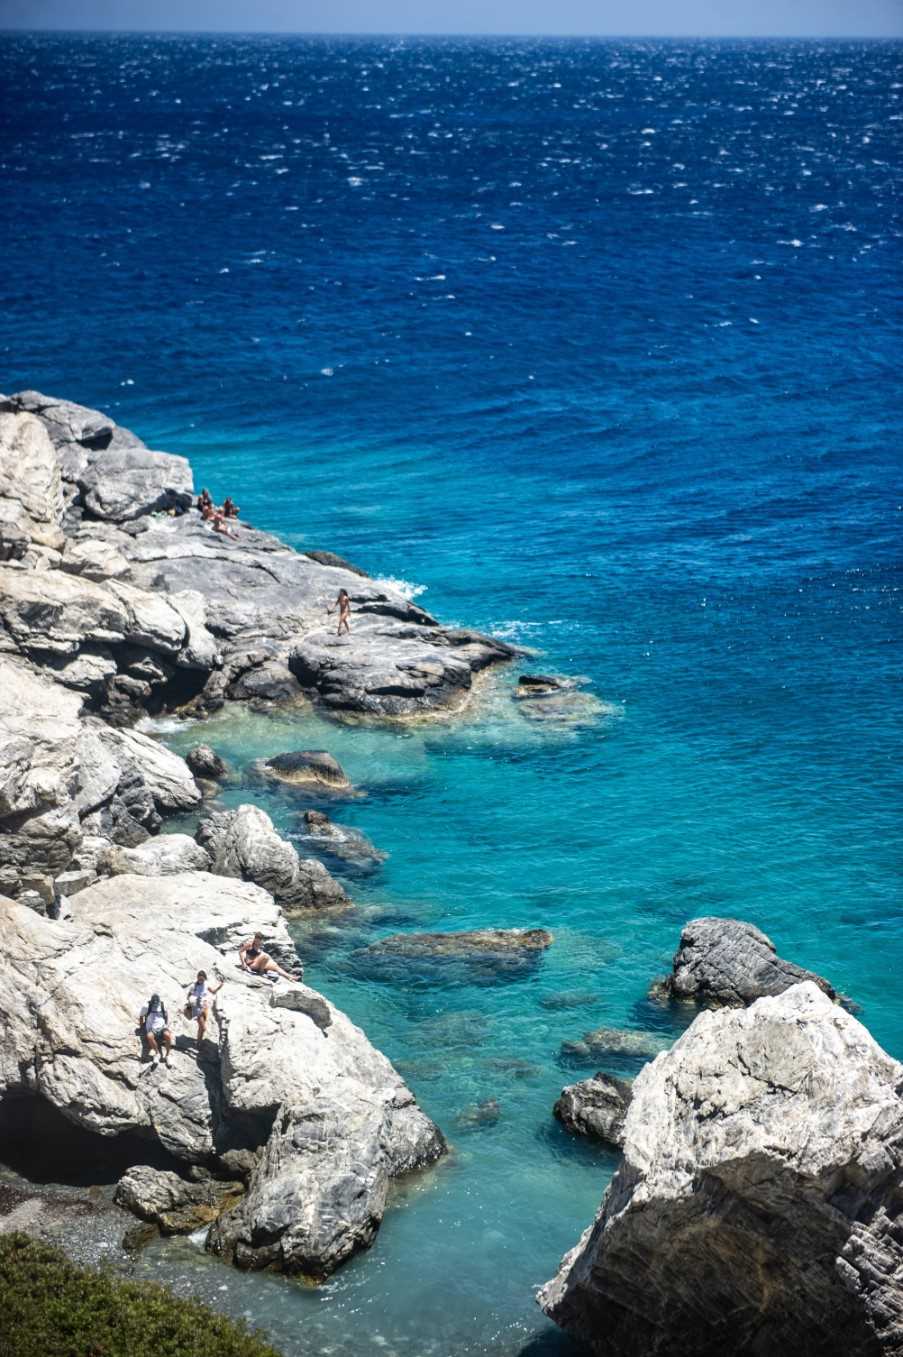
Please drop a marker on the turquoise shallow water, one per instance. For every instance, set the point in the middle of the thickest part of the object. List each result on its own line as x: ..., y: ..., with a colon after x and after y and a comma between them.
x: 597, y: 345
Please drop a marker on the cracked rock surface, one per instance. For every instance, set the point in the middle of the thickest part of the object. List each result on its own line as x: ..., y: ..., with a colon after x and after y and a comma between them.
x: 756, y: 1208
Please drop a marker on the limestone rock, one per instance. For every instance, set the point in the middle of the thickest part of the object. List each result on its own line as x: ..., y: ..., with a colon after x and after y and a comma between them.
x: 177, y: 1205
x: 389, y: 668
x: 244, y: 843
x: 165, y: 855
x: 595, y: 1107
x: 754, y: 1210
x: 93, y: 558
x: 345, y: 1124
x: 727, y: 961
x: 31, y: 494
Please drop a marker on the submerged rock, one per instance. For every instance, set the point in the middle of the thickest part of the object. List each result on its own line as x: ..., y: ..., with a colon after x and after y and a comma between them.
x: 618, y: 1041
x: 575, y: 998
x: 244, y: 843
x: 502, y: 951
x: 729, y: 962
x: 349, y: 846
x: 595, y: 1107
x: 477, y: 1116
x: 756, y: 1205
x: 306, y: 767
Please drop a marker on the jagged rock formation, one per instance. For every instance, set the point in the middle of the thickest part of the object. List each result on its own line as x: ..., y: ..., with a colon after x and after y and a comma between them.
x: 243, y: 843
x: 289, y: 1095
x: 595, y: 1107
x: 729, y: 962
x: 756, y: 1207
x: 67, y: 781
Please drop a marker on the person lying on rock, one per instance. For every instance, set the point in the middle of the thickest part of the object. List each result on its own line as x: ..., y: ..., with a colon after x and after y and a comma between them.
x: 343, y: 603
x: 253, y: 958
x: 198, y: 1003
x: 154, y: 1023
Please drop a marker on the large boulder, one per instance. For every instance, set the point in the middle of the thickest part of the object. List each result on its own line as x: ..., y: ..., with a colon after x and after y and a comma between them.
x: 244, y: 843
x: 31, y: 493
x: 595, y: 1107
x: 176, y: 1204
x: 730, y: 962
x: 614, y: 1041
x: 756, y: 1207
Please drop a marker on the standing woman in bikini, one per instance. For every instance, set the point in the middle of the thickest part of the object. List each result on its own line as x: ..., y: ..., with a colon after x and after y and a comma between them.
x: 343, y: 603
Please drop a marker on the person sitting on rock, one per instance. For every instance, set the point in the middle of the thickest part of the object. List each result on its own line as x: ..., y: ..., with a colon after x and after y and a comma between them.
x: 154, y: 1024
x: 198, y: 1004
x: 253, y: 958
x: 204, y: 501
x: 230, y: 508
x: 343, y: 603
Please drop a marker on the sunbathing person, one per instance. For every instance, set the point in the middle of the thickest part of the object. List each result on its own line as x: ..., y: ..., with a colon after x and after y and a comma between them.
x: 253, y: 958
x: 198, y: 1002
x: 154, y: 1023
x: 230, y: 508
x: 204, y: 501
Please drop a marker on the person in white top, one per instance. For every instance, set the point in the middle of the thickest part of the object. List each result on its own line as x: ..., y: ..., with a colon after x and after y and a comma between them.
x: 198, y: 1003
x: 154, y: 1023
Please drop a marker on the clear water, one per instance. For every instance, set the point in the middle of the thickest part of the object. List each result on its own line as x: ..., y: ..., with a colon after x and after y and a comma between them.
x: 648, y: 427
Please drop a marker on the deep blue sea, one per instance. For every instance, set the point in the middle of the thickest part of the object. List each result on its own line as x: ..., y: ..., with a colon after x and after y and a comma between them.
x: 594, y: 345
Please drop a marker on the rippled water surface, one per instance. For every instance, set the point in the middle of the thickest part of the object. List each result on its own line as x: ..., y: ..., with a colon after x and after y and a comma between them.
x: 595, y: 346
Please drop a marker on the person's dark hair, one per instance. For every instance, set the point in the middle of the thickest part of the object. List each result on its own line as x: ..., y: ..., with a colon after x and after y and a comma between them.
x: 155, y: 1001
x: 202, y: 975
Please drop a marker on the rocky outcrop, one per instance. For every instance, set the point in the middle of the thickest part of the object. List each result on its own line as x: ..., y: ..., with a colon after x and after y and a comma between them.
x: 595, y: 1107
x: 112, y: 582
x: 756, y: 1207
x: 729, y: 962
x: 65, y: 777
x: 293, y: 1095
x: 243, y: 843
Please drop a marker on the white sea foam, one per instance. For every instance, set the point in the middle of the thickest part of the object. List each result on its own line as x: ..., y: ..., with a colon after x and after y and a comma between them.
x: 404, y: 587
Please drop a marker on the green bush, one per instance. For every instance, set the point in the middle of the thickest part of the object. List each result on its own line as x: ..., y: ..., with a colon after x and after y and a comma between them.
x: 50, y: 1308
